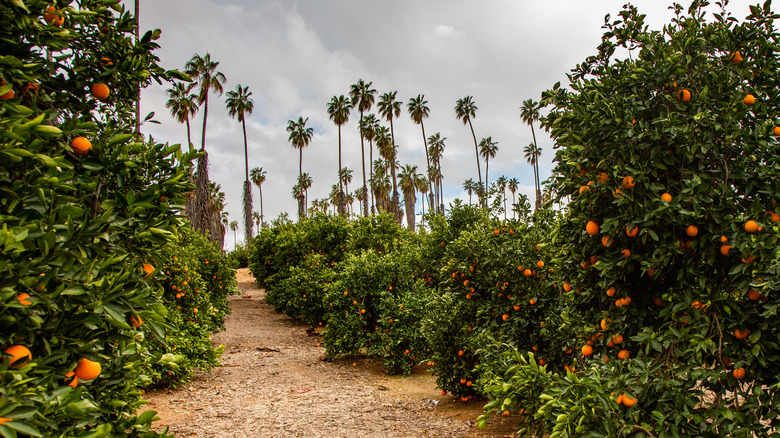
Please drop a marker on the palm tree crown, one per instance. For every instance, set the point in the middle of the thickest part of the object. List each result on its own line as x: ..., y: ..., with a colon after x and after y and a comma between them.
x: 182, y: 104
x: 466, y: 110
x: 529, y: 113
x: 338, y: 111
x: 362, y: 95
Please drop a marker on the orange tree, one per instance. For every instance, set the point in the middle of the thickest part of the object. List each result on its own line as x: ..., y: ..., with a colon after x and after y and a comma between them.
x: 84, y: 207
x: 670, y: 158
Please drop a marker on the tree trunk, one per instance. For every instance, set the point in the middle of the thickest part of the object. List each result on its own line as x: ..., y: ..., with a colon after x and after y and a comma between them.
x: 486, y: 194
x: 371, y: 173
x: 342, y: 207
x: 363, y: 162
x: 262, y: 221
x: 476, y: 149
x: 202, y: 181
x: 189, y: 139
x: 427, y: 163
x: 410, y: 199
x: 247, y: 189
x: 395, y: 203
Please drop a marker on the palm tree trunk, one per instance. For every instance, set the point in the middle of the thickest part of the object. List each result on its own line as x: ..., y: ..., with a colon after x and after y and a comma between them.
x: 262, y: 221
x: 363, y: 162
x: 538, y: 203
x: 427, y: 163
x: 189, y: 139
x: 410, y: 200
x: 300, y: 197
x: 247, y: 189
x: 487, y: 195
x: 202, y: 182
x: 476, y: 149
x: 371, y: 173
x: 342, y: 210
x: 395, y: 204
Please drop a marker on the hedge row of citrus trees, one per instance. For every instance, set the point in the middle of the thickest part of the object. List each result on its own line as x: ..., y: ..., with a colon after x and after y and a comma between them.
x: 90, y: 228
x: 649, y: 308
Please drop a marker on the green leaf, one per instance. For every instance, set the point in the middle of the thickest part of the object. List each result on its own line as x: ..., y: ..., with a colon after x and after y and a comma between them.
x: 23, y: 427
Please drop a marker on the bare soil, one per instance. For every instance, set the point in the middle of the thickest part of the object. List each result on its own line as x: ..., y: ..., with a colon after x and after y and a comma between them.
x: 273, y: 383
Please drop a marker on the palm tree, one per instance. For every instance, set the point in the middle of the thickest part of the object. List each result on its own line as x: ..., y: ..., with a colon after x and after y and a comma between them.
x: 469, y: 186
x: 305, y: 181
x: 408, y: 176
x: 215, y: 212
x: 204, y: 71
x: 300, y: 137
x: 256, y: 217
x: 346, y: 177
x: 532, y: 153
x: 390, y: 108
x: 436, y: 151
x: 501, y: 182
x: 513, y: 184
x: 387, y: 151
x: 488, y: 149
x: 529, y: 113
x: 182, y: 105
x: 234, y: 227
x: 335, y: 197
x: 423, y: 184
x: 257, y: 175
x: 239, y: 104
x: 338, y: 111
x: 465, y: 110
x: 380, y: 184
x: 362, y: 95
x: 368, y: 128
x: 419, y: 110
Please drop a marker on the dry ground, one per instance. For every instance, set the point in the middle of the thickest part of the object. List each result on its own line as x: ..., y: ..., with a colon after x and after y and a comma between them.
x: 273, y: 384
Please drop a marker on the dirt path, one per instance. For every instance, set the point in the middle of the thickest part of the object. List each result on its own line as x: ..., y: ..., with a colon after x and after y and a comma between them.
x: 272, y: 384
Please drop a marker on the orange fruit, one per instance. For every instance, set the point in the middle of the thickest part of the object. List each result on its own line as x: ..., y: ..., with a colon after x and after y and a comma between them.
x: 724, y: 239
x: 617, y: 339
x: 628, y: 182
x: 751, y: 226
x: 136, y: 322
x: 81, y: 145
x: 22, y: 297
x: 739, y: 373
x: 628, y: 401
x: 587, y: 350
x: 776, y: 130
x: 87, y: 369
x: 632, y: 231
x: 496, y: 231
x: 540, y: 264
x: 611, y: 292
x: 753, y: 295
x: 657, y: 301
x: 195, y: 310
x: 626, y: 253
x: 100, y: 91
x: 619, y: 399
x: 603, y: 177
x: 465, y: 282
x: 461, y: 353
x: 736, y: 58
x: 527, y: 272
x: 623, y: 354
x: 607, y: 241
x: 748, y: 260
x: 684, y: 95
x: 724, y: 249
x: 749, y: 99
x: 774, y: 216
x: 9, y: 94
x: 592, y: 228
x: 505, y: 317
x: 516, y: 308
x: 20, y: 355
x: 692, y: 231
x: 666, y: 197
x: 566, y: 287
x: 604, y: 323
x: 73, y: 381
x: 741, y: 334
x: 148, y: 269
x: 443, y: 392
x: 585, y: 188
x: 532, y: 301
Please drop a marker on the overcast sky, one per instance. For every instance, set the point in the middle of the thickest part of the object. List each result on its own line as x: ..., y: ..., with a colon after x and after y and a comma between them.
x: 296, y: 55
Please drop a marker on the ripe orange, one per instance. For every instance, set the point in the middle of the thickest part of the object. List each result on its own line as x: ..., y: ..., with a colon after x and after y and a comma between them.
x: 776, y: 130
x: 461, y: 353
x: 774, y: 216
x: 632, y: 231
x: 692, y: 231
x: 736, y: 58
x: 496, y: 231
x: 623, y: 354
x: 465, y: 282
x: 587, y: 350
x: 540, y: 264
x: 592, y: 228
x: 566, y: 287
x: 604, y: 323
x: 87, y: 369
x: 749, y: 99
x: 619, y: 399
x: 583, y: 188
x: 753, y: 295
x: 20, y: 355
x: 71, y: 379
x: 628, y: 401
x: 724, y: 249
x: 8, y: 95
x: 505, y: 317
x: 100, y: 91
x: 657, y: 301
x: 724, y: 239
x: 741, y: 334
x: 628, y: 182
x: 516, y: 308
x: 195, y: 310
x: 611, y: 292
x: 617, y: 339
x: 136, y: 322
x: 626, y: 253
x: 148, y: 269
x: 607, y: 241
x: 22, y: 297
x: 666, y: 197
x: 739, y: 373
x: 684, y: 95
x: 81, y: 145
x: 527, y: 272
x: 532, y: 301
x: 748, y: 260
x: 603, y: 177
x: 751, y: 226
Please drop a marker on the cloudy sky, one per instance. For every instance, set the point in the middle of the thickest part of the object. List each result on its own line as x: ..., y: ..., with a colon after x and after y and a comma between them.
x: 296, y: 55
